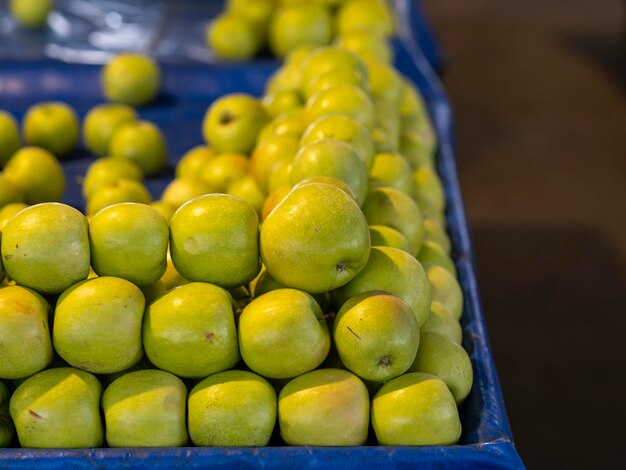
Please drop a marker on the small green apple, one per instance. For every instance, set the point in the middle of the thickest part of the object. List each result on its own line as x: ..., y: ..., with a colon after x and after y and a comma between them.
x: 285, y: 78
x: 108, y: 170
x: 388, y: 128
x: 9, y: 193
x: 97, y: 325
x: 428, y: 192
x: 52, y: 126
x: 344, y: 99
x: 445, y: 289
x: 269, y: 152
x: 190, y: 331
x: 367, y: 44
x: 141, y: 142
x: 172, y: 278
x: 432, y: 253
x: 435, y: 231
x: 122, y: 190
x: 6, y: 424
x: 129, y: 240
x: 326, y: 59
x: 145, y: 408
x: 415, y: 409
x: 283, y: 333
x: 183, y: 189
x: 214, y: 238
x: 58, y: 408
x: 442, y: 322
x: 330, y: 78
x: 295, y: 26
x: 264, y: 283
x: 394, y: 271
x: 101, y: 122
x: 8, y: 211
x: 374, y: 16
x: 194, y: 160
x: 9, y: 137
x: 442, y: 357
x: 289, y: 122
x: 232, y: 408
x: 324, y: 407
x: 247, y: 189
x: 255, y: 12
x: 232, y: 122
x: 25, y: 342
x: 225, y: 168
x: 331, y: 181
x: 335, y: 158
x: 413, y: 104
x: 132, y: 79
x: 381, y: 235
x: 280, y: 176
x: 316, y: 239
x: 385, y: 83
x: 273, y: 199
x: 231, y: 37
x: 392, y: 169
x: 36, y: 172
x: 281, y: 102
x: 376, y: 335
x: 46, y: 247
x: 418, y: 146
x: 31, y: 13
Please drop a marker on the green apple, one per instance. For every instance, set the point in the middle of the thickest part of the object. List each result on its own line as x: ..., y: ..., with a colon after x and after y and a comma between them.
x: 367, y: 44
x: 269, y: 152
x: 6, y: 424
x: 255, y: 12
x: 316, y: 239
x: 324, y: 407
x: 435, y: 231
x: 445, y: 289
x: 58, y: 408
x: 129, y: 240
x: 344, y: 99
x: 392, y: 169
x: 374, y: 16
x: 8, y: 211
x: 415, y: 409
x: 442, y: 322
x: 391, y: 207
x: 141, y: 142
x: 418, y: 146
x: 385, y: 83
x: 395, y: 271
x: 132, y: 79
x: 335, y: 158
x: 432, y: 253
x: 36, y: 172
x: 106, y: 171
x: 286, y: 78
x: 194, y: 160
x: 232, y: 122
x: 9, y: 193
x: 183, y: 189
x: 225, y: 168
x: 247, y: 189
x: 172, y: 278
x: 289, y: 122
x: 46, y: 247
x: 190, y: 331
x: 388, y: 127
x: 325, y: 59
x: 428, y: 190
x: 231, y: 37
x: 25, y: 343
x: 122, y: 190
x: 297, y: 55
x: 412, y: 104
x: 97, y: 325
x: 331, y: 181
x: 153, y: 291
x: 280, y: 176
x: 344, y: 128
x: 295, y: 26
x: 214, y: 238
x: 101, y: 122
x: 264, y: 283
x: 9, y: 137
x: 336, y: 76
x: 281, y: 102
x: 283, y: 333
x: 234, y: 408
x: 273, y: 199
x: 145, y: 408
x: 52, y: 126
x: 31, y: 13
x: 381, y: 235
x: 442, y: 357
x: 376, y: 335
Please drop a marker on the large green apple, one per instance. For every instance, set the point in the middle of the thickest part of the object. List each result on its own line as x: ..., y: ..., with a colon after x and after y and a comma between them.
x: 141, y: 142
x: 132, y: 79
x: 6, y: 424
x: 52, y: 126
x: 232, y: 408
x: 442, y: 357
x: 145, y: 408
x: 345, y: 99
x: 324, y: 407
x: 122, y: 190
x: 129, y: 240
x: 376, y: 335
x: 381, y: 235
x: 97, y: 325
x: 370, y: 15
x: 316, y: 239
x: 190, y: 331
x: 445, y: 289
x: 442, y: 322
x: 214, y: 238
x: 36, y: 172
x: 392, y: 169
x: 395, y: 271
x: 231, y: 37
x: 415, y: 409
x: 108, y: 170
x: 9, y: 137
x: 101, y: 122
x: 330, y: 157
x: 58, y: 408
x: 46, y: 247
x: 298, y: 25
x: 389, y: 206
x: 25, y: 343
x: 232, y: 122
x: 283, y: 334
x: 31, y: 13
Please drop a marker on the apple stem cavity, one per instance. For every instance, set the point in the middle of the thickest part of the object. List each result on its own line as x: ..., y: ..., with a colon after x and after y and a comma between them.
x: 226, y: 118
x: 384, y: 361
x: 341, y: 267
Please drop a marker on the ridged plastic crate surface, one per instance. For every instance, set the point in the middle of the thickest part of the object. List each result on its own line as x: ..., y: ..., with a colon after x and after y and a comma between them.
x: 188, y: 89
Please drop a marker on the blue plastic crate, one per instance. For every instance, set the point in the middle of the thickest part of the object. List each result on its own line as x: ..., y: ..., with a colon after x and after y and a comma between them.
x: 188, y: 89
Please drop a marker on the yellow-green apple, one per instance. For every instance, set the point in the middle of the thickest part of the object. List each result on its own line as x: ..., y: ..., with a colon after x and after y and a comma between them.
x: 371, y: 15
x: 183, y: 189
x: 190, y: 331
x: 289, y: 122
x: 329, y: 180
x: 247, y: 189
x: 281, y: 102
x: 285, y: 78
x: 122, y: 190
x: 232, y: 408
x: 273, y: 199
x: 293, y: 26
x: 9, y: 137
x: 52, y: 126
x: 141, y: 142
x: 392, y: 169
x: 31, y: 13
x: 418, y: 144
x: 9, y: 193
x: 367, y: 44
x: 38, y: 173
x: 442, y: 322
x: 270, y: 151
x: 381, y: 235
x: 108, y: 170
x: 280, y: 176
x: 345, y: 99
x: 194, y: 160
x: 326, y: 59
x: 428, y: 191
x: 445, y: 289
x: 8, y: 211
x: 255, y: 12
x: 101, y: 122
x: 231, y: 37
x: 336, y: 76
x: 432, y: 253
x: 25, y: 342
x: 264, y: 283
x: 435, y: 231
x: 132, y: 79
x: 225, y: 168
x: 172, y: 278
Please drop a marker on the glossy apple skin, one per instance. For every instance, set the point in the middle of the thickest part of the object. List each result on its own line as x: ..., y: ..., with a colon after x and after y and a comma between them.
x: 143, y: 143
x: 415, y: 409
x: 344, y: 99
x: 37, y: 173
x: 392, y: 169
x: 326, y: 59
x: 324, y: 407
x: 58, y: 408
x: 383, y: 235
x: 107, y: 171
x: 53, y: 126
x: 231, y: 37
x: 131, y: 79
x: 295, y: 26
x: 101, y: 122
x: 31, y: 13
x: 122, y: 190
x: 326, y: 242
x: 374, y: 16
x: 194, y: 160
x: 232, y: 408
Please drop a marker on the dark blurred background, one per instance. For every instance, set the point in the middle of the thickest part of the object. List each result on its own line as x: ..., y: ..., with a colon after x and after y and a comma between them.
x: 538, y: 94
